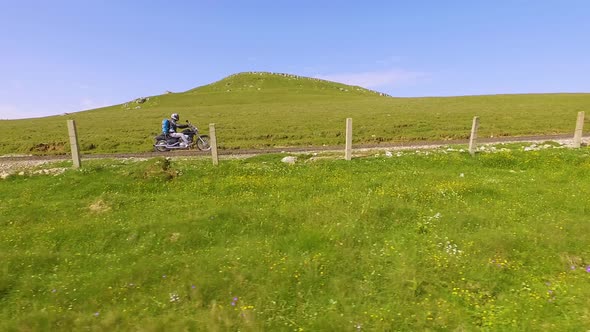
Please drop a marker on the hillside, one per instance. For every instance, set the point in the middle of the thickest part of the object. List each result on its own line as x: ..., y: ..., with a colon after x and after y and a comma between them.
x: 257, y: 110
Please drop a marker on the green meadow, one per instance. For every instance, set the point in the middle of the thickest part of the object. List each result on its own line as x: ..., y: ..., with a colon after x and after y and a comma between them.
x: 260, y: 110
x: 431, y: 240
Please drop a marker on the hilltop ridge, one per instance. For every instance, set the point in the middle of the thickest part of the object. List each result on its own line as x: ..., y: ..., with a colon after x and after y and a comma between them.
x: 260, y: 81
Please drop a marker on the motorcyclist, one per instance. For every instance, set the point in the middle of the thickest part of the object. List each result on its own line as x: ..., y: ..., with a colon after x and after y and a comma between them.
x: 174, y: 118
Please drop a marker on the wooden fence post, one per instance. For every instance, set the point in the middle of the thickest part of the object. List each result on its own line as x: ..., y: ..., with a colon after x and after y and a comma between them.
x: 74, y: 143
x: 579, y: 130
x: 213, y: 142
x: 473, y: 137
x: 348, y: 151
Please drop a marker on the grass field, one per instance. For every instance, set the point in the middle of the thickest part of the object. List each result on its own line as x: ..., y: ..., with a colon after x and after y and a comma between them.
x: 420, y: 241
x: 258, y: 110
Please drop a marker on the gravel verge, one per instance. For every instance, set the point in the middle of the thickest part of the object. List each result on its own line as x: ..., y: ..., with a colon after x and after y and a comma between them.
x: 20, y: 164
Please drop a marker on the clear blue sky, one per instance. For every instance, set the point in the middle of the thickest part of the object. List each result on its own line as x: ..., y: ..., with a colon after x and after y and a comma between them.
x: 65, y: 56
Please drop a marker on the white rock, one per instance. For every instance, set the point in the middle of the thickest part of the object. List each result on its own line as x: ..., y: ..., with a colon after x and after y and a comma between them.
x: 289, y: 160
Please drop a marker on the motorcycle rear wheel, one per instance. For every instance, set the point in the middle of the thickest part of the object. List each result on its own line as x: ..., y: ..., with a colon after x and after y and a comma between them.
x: 203, y: 143
x: 160, y: 146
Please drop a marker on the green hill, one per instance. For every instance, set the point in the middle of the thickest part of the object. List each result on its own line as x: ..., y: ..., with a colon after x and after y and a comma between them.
x: 256, y: 110
x: 263, y: 82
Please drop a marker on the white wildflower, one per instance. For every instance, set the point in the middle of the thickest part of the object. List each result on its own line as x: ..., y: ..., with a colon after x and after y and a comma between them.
x: 174, y: 297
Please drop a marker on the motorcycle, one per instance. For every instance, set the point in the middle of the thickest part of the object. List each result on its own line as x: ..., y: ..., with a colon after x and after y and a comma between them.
x: 166, y: 143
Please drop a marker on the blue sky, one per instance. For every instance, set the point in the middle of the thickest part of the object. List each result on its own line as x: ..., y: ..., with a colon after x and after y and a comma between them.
x: 67, y: 56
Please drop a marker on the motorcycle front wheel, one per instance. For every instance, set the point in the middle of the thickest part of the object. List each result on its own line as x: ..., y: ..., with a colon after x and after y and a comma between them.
x: 160, y: 146
x: 203, y: 143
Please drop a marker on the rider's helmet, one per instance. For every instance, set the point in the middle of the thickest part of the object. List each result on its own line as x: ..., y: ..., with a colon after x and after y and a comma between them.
x: 175, y: 117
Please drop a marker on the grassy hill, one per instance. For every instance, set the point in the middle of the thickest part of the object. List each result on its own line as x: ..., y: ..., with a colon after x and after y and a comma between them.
x: 278, y: 82
x: 256, y: 110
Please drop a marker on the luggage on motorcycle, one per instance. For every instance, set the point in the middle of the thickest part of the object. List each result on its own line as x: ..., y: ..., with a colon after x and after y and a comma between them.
x: 165, y: 126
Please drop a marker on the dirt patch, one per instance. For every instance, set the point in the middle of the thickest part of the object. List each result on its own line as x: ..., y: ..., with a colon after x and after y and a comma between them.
x: 49, y: 147
x: 99, y: 206
x: 174, y: 237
